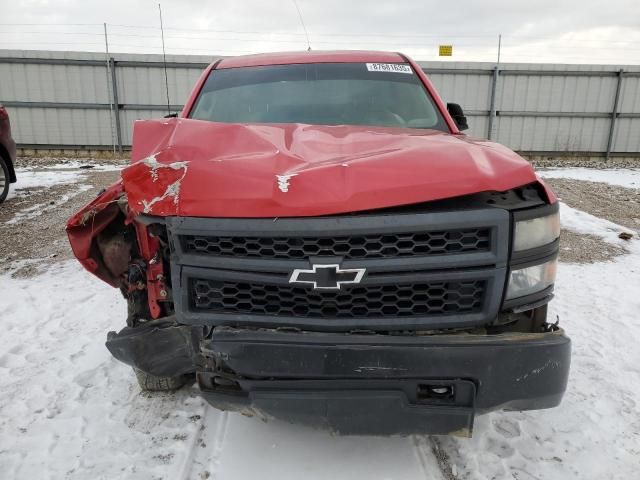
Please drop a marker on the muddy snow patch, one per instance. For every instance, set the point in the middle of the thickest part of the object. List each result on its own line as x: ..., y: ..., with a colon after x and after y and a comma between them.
x: 79, y: 165
x: 623, y: 177
x: 582, y: 222
x: 35, y: 211
x: 586, y: 248
x: 29, y: 179
x: 586, y: 238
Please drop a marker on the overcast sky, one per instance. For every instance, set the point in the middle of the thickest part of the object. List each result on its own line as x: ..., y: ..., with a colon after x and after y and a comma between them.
x: 570, y: 31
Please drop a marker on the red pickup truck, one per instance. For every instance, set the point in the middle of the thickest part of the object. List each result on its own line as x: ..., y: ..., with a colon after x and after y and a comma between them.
x: 314, y: 239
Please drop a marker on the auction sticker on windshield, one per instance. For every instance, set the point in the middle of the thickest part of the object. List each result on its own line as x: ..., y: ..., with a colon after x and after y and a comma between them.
x: 389, y: 67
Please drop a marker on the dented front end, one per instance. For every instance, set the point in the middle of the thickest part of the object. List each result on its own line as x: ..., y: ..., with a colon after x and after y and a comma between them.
x: 205, y: 232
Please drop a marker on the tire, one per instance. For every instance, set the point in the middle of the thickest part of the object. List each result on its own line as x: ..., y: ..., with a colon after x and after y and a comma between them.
x: 4, y: 180
x: 151, y: 383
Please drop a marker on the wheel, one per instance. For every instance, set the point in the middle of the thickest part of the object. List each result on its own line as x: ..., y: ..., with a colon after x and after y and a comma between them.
x: 4, y: 180
x: 159, y: 384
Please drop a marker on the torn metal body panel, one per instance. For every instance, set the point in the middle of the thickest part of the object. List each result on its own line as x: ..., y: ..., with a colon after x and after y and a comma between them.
x: 373, y: 271
x: 85, y: 226
x: 153, y: 186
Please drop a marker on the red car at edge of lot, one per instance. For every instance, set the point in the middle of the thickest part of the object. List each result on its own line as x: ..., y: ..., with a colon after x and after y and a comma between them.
x: 7, y: 154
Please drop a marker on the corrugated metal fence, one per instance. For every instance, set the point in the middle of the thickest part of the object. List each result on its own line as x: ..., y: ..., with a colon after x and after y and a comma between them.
x: 84, y: 100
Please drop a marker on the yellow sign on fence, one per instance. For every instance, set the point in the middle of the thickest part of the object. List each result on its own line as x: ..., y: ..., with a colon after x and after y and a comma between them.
x: 445, y: 50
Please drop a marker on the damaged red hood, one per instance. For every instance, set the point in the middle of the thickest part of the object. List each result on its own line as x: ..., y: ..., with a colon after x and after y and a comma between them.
x: 197, y: 168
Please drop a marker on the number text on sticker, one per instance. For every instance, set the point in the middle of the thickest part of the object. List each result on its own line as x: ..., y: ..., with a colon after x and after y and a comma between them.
x: 389, y: 67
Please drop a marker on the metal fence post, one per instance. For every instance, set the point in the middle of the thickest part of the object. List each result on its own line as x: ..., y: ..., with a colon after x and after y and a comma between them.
x: 109, y: 95
x: 116, y: 104
x: 614, y: 113
x: 492, y: 102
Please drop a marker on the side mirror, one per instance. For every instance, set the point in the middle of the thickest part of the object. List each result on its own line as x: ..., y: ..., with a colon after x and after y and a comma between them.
x: 457, y: 114
x: 171, y: 115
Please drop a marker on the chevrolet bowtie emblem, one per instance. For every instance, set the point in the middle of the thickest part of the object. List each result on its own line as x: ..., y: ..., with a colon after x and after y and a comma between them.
x: 327, y: 277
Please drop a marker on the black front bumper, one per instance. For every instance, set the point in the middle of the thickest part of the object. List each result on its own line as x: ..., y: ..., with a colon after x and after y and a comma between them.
x: 357, y: 384
x: 381, y: 384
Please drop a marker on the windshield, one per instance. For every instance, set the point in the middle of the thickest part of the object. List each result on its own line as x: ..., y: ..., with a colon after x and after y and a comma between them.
x: 389, y: 95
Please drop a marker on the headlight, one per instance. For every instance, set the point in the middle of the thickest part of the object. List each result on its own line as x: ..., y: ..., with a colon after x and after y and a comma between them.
x: 536, y: 232
x: 528, y: 280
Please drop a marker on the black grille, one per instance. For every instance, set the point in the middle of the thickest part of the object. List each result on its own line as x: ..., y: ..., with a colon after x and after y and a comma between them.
x: 418, y: 299
x: 350, y: 247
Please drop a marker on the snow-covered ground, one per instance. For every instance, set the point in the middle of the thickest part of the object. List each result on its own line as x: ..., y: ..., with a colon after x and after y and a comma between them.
x: 28, y: 179
x: 623, y: 177
x: 69, y: 410
x: 595, y: 432
x: 44, y: 176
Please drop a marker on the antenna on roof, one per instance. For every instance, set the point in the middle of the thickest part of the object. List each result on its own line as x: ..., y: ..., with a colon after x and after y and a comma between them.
x: 304, y: 27
x: 164, y: 62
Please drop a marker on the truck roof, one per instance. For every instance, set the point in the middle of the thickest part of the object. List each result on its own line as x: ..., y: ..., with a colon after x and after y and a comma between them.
x: 333, y: 56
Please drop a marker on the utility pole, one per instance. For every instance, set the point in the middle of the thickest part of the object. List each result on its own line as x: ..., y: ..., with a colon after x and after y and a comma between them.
x: 164, y: 61
x: 492, y: 100
x: 109, y: 94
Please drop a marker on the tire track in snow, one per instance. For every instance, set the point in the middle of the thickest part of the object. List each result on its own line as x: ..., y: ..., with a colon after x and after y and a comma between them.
x: 433, y: 461
x: 221, y: 433
x: 203, y: 459
x: 443, y: 459
x: 184, y: 470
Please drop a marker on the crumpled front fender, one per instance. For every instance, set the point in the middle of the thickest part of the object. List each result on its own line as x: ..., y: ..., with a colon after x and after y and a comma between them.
x: 87, y: 223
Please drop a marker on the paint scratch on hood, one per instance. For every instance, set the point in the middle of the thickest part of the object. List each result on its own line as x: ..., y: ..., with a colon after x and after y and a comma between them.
x: 172, y: 190
x: 153, y: 163
x: 283, y: 181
